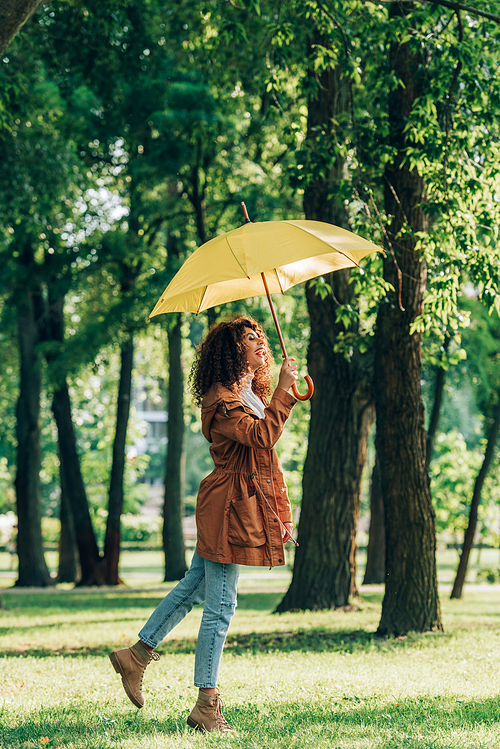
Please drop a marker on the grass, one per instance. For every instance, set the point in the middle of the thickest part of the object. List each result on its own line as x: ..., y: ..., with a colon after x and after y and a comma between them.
x: 296, y: 680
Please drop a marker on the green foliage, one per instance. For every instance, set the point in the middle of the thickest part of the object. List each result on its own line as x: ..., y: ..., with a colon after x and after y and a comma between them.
x: 7, y: 496
x: 453, y: 471
x: 488, y: 575
x: 140, y: 530
x: 8, y: 396
x: 482, y: 342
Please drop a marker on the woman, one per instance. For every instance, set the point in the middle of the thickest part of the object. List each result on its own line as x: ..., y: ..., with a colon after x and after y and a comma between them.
x: 243, y: 513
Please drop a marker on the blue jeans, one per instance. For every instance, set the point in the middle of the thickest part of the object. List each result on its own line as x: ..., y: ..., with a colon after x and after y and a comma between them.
x: 207, y: 581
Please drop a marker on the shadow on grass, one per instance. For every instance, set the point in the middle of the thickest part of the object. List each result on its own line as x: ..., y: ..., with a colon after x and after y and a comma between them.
x: 69, y: 601
x: 338, y: 720
x: 255, y: 643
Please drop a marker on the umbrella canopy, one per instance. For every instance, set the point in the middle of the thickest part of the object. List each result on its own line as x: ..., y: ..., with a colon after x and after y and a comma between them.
x: 231, y: 266
x: 263, y: 258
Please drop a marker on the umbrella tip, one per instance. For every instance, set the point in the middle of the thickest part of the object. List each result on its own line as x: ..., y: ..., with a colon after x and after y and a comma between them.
x: 245, y: 213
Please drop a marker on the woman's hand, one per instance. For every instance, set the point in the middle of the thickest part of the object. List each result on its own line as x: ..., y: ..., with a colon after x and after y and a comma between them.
x: 287, y: 534
x: 288, y: 374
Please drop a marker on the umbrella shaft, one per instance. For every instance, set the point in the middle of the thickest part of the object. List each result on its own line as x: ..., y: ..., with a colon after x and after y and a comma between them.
x: 274, y: 315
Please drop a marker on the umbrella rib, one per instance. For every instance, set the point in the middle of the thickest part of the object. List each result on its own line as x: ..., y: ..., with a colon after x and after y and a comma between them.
x: 349, y: 258
x: 278, y: 279
x: 301, y: 228
x: 202, y: 299
x: 232, y: 253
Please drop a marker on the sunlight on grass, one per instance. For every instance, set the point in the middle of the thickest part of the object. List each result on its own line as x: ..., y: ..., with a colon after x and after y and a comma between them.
x: 304, y: 679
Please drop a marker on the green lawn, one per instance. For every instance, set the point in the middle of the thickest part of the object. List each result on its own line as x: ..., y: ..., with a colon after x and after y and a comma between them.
x: 296, y: 680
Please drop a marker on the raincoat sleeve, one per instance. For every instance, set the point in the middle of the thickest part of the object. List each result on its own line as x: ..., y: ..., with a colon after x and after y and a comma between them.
x: 236, y: 424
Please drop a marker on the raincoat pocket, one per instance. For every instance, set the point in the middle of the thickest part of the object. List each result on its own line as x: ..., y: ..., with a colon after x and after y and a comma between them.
x: 245, y: 523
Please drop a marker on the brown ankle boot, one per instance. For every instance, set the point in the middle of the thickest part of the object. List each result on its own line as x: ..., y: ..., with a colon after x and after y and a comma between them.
x: 131, y: 663
x: 206, y: 715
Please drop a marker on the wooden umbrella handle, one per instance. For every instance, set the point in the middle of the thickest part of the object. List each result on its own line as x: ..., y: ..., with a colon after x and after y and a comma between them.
x: 310, y: 390
x: 308, y: 379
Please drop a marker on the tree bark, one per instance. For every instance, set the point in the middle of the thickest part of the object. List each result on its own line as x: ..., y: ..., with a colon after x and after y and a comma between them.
x: 13, y: 15
x: 411, y: 600
x: 341, y: 408
x: 375, y: 553
x: 71, y: 476
x: 88, y: 551
x: 33, y: 569
x: 173, y: 536
x: 68, y: 566
x: 115, y: 501
x: 475, y: 502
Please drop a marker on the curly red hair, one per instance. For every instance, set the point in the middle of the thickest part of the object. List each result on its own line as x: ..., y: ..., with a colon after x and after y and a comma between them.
x: 221, y: 357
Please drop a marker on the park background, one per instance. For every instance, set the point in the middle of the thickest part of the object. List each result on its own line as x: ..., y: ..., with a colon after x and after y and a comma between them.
x: 129, y: 135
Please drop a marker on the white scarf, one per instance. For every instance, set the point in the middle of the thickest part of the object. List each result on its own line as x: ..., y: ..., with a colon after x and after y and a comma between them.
x: 249, y: 398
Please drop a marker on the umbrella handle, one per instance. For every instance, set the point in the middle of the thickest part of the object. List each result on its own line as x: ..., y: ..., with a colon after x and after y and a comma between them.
x: 308, y: 379
x: 310, y: 390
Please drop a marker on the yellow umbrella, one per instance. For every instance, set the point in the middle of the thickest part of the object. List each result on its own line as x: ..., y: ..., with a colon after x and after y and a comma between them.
x: 262, y: 258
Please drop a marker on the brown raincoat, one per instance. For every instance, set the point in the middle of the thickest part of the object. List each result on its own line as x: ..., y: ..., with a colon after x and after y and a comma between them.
x: 242, y: 504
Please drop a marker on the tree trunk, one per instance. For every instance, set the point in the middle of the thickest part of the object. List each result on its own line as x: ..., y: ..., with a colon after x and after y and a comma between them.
x: 88, y: 551
x: 341, y: 408
x: 479, y: 553
x: 115, y: 502
x: 474, y: 505
x: 68, y: 566
x: 375, y: 553
x: 411, y: 600
x: 33, y: 569
x: 436, y: 406
x: 173, y: 536
x: 72, y: 484
x: 13, y: 15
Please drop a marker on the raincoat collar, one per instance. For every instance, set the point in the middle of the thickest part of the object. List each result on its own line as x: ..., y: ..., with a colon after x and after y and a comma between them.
x: 217, y: 394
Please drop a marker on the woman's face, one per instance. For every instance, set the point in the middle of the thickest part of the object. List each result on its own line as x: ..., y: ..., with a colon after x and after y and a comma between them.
x: 256, y: 349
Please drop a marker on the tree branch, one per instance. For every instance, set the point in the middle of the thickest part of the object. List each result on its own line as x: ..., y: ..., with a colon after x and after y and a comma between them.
x: 13, y: 15
x: 347, y: 55
x: 454, y: 6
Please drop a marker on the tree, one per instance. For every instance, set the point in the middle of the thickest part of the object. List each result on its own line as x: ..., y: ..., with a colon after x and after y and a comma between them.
x: 341, y: 411
x: 13, y: 15
x: 68, y: 554
x: 33, y: 172
x: 470, y: 531
x: 342, y: 408
x: 442, y: 69
x: 33, y: 570
x: 411, y: 600
x: 111, y: 555
x: 103, y: 112
x: 482, y: 343
x: 173, y: 537
x: 76, y: 524
x: 41, y: 159
x: 375, y: 552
